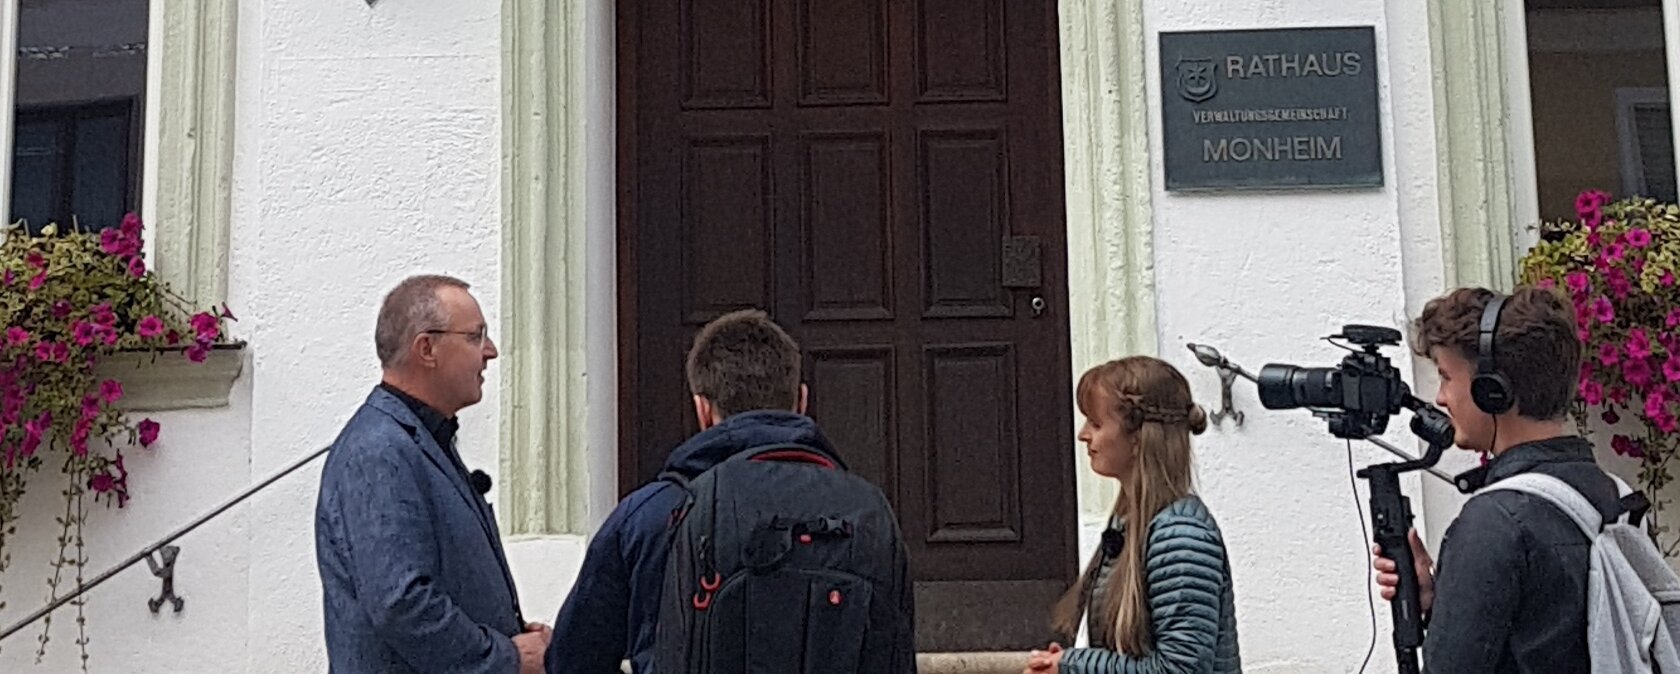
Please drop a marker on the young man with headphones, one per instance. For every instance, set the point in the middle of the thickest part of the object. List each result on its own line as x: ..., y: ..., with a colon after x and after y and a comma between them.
x: 1509, y: 593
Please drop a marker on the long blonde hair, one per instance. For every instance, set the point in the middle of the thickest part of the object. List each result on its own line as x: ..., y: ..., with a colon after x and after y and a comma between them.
x: 1152, y: 399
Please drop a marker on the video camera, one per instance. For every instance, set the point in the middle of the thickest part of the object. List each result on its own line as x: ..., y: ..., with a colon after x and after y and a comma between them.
x: 1357, y: 397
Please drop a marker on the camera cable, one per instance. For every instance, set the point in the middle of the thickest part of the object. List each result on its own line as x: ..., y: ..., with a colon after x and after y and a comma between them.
x: 1365, y: 535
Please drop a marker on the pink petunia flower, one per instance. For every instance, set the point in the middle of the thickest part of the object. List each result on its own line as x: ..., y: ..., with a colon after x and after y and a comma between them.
x: 37, y: 281
x: 1590, y: 201
x: 111, y: 241
x: 1656, y: 403
x: 110, y: 390
x: 1592, y: 392
x: 198, y: 353
x: 101, y: 313
x: 1639, y: 238
x: 136, y: 267
x: 131, y: 226
x: 150, y: 327
x: 1638, y: 344
x: 1671, y: 369
x: 82, y: 332
x: 16, y: 336
x: 148, y: 432
x: 207, y: 326
x: 1603, y: 310
x: 1611, y: 417
x: 1628, y: 447
x: 1608, y: 354
x: 1578, y: 282
x: 1638, y: 373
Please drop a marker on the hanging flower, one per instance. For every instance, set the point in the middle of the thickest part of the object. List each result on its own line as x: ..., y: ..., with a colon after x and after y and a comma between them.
x: 1609, y: 354
x: 70, y: 299
x: 150, y: 327
x: 1592, y: 392
x: 1638, y: 344
x: 1637, y: 372
x: 1579, y: 283
x: 148, y: 432
x: 1618, y: 263
x: 1603, y: 310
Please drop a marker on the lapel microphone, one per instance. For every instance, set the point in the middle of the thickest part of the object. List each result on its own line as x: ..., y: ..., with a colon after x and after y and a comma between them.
x: 480, y: 482
x: 1112, y: 542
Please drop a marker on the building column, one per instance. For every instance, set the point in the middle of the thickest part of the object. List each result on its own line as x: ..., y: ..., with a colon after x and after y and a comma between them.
x: 1111, y: 272
x: 1484, y: 138
x: 544, y: 469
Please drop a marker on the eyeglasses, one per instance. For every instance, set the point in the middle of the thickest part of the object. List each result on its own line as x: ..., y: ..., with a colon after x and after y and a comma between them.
x: 477, y: 336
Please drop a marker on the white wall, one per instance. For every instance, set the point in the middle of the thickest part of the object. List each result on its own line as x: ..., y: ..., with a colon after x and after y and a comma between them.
x: 1263, y: 276
x: 200, y: 457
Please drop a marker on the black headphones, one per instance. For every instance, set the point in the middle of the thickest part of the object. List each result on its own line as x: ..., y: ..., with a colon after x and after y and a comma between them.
x: 1491, y: 389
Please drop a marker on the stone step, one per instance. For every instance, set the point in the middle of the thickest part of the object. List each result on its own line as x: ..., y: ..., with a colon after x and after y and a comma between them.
x: 971, y: 663
x: 960, y: 663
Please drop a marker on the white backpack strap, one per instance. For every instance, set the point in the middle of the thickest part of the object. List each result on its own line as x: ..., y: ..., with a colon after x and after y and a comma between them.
x: 1565, y: 497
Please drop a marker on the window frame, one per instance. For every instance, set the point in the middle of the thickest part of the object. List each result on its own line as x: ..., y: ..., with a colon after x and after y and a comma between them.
x: 1629, y: 144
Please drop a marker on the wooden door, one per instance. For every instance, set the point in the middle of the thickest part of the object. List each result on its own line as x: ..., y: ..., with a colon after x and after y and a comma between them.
x: 885, y: 178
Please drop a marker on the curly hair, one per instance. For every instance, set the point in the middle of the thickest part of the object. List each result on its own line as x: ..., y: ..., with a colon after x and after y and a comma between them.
x: 1536, y: 345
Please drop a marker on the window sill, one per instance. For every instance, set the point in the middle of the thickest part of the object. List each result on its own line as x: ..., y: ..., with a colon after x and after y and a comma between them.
x: 157, y: 381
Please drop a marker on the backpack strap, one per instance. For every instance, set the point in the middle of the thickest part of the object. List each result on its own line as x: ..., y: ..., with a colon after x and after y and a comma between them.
x: 1565, y: 497
x: 1634, y: 503
x: 681, y: 511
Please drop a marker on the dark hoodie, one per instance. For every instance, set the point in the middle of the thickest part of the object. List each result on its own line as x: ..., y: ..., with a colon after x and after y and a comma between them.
x: 1511, y: 581
x: 614, y: 604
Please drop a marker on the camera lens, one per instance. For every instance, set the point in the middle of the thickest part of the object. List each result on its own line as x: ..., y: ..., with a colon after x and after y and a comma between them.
x: 1287, y: 386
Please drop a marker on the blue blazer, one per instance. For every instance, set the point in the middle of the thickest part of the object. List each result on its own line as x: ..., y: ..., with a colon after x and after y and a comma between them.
x: 413, y: 576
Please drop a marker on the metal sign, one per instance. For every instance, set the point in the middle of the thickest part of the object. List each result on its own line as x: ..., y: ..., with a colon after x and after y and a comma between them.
x: 1280, y: 108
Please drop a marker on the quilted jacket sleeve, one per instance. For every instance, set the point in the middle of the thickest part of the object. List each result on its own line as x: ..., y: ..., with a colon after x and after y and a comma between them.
x: 1185, y: 563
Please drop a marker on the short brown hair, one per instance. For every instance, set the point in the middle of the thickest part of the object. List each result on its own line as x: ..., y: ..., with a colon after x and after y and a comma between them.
x: 742, y: 362
x: 1536, y: 345
x: 410, y: 308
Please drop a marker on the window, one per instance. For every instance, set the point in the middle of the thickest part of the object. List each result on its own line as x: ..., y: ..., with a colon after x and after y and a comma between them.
x: 1599, y: 81
x: 1647, y: 143
x: 78, y: 112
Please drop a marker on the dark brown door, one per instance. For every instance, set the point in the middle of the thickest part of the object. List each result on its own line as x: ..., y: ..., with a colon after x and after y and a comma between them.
x: 885, y: 178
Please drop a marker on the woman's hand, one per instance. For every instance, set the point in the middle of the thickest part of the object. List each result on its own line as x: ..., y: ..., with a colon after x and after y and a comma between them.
x: 1046, y: 661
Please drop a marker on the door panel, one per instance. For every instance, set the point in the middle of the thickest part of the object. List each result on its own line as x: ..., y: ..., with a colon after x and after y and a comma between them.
x: 883, y: 177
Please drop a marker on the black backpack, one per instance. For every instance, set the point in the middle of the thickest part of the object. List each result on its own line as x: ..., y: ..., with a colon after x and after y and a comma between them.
x: 781, y: 562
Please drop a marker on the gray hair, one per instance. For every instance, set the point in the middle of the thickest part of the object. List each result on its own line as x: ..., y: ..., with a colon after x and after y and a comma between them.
x: 410, y: 308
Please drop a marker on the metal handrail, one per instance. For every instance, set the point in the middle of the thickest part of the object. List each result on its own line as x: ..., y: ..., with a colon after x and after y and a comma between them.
x: 146, y: 553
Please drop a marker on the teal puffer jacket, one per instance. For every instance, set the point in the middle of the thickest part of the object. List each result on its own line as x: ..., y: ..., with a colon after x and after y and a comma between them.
x: 1191, y: 602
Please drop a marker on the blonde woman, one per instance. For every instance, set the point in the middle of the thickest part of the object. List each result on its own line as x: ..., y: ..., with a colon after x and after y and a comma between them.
x: 1157, y: 599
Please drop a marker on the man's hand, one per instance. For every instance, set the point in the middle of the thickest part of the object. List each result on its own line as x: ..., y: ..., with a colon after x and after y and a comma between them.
x: 532, y: 645
x: 1045, y: 662
x: 1389, y: 577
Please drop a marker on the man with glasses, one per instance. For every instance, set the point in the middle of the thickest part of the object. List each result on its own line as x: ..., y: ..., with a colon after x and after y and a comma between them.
x: 413, y: 574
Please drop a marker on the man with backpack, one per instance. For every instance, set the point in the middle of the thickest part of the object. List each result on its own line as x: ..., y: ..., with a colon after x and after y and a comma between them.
x: 755, y: 550
x: 1511, y: 592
